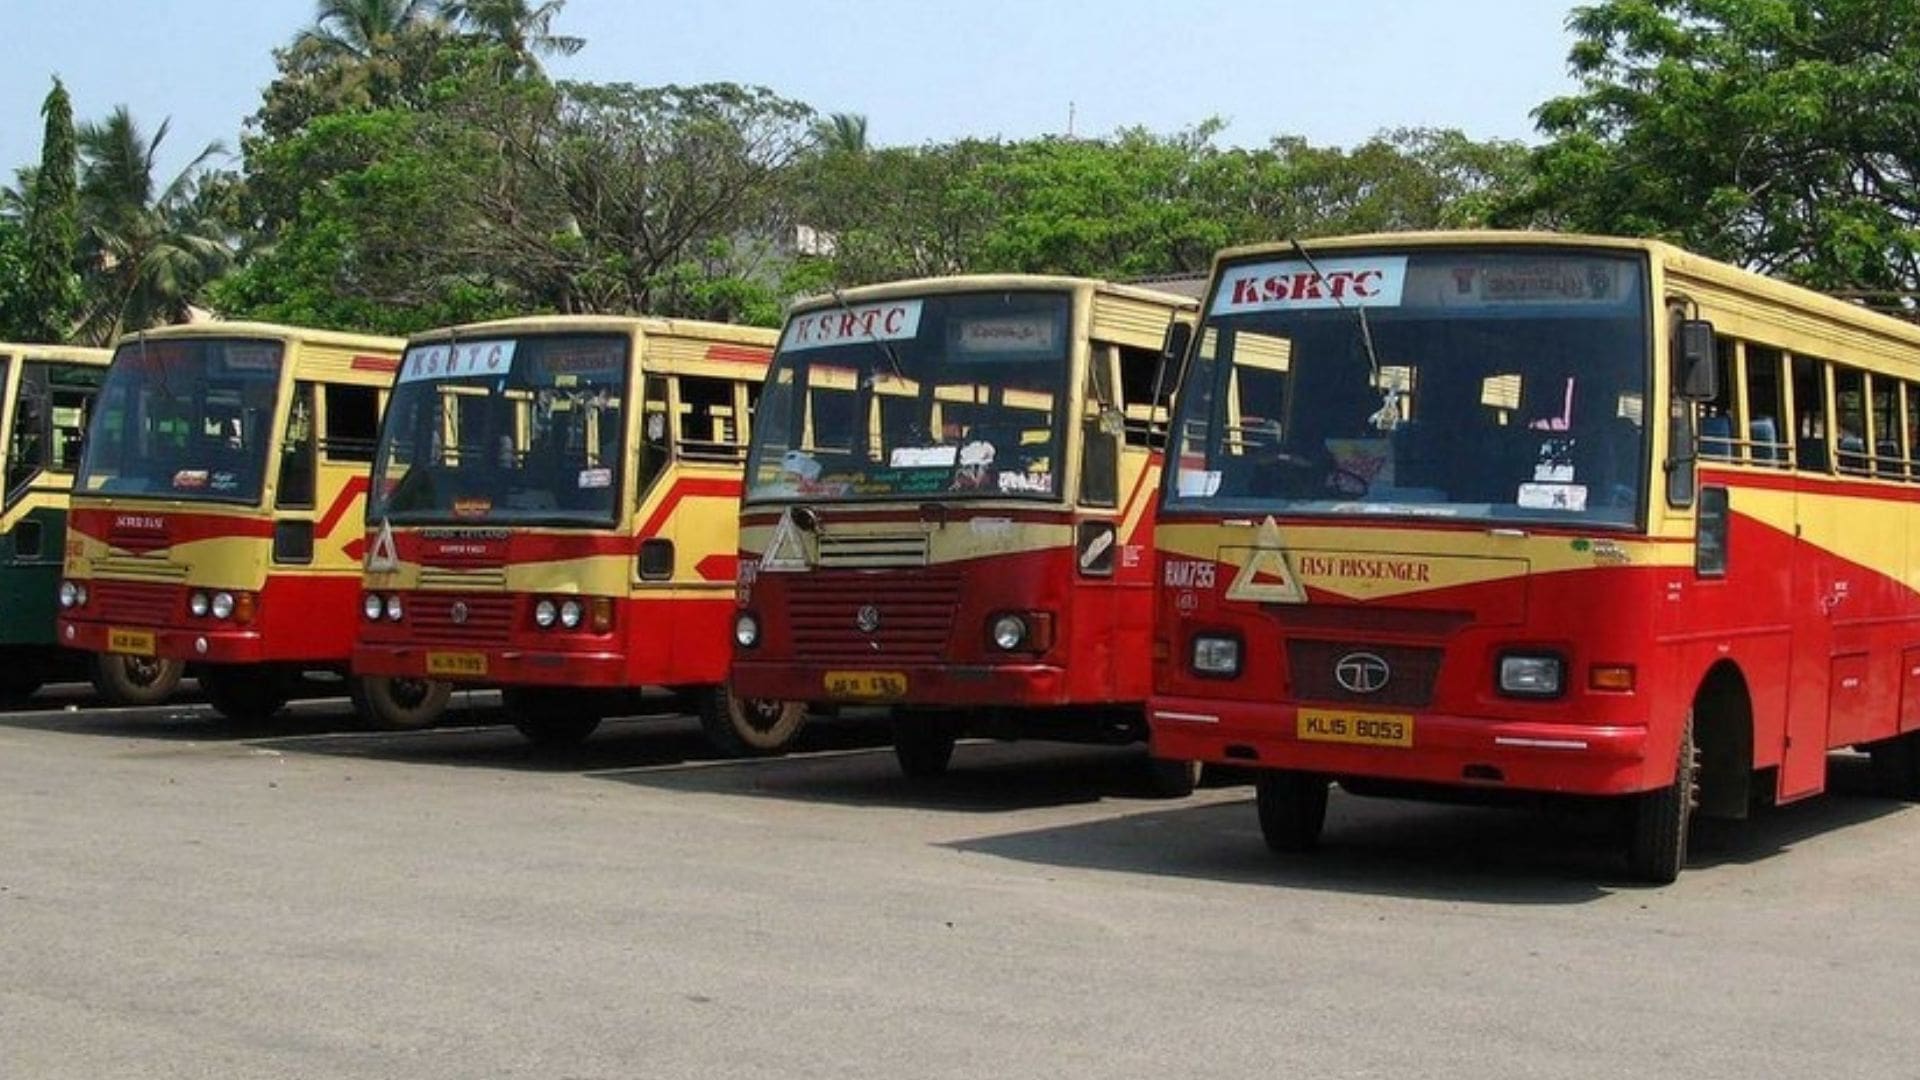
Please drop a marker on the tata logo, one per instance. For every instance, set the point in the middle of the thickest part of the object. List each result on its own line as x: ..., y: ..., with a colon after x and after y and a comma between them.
x: 867, y: 619
x: 458, y: 613
x: 1362, y: 673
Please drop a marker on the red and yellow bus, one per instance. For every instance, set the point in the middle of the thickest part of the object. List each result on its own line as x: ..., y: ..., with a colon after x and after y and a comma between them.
x: 1483, y: 514
x: 554, y: 513
x: 949, y: 507
x: 215, y: 521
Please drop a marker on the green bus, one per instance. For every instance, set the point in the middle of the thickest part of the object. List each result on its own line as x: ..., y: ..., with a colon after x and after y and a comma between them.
x: 46, y: 398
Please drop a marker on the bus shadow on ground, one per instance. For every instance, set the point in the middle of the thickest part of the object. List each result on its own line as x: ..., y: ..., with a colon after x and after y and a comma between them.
x: 187, y: 718
x: 1542, y: 855
x: 985, y: 778
x: 485, y: 740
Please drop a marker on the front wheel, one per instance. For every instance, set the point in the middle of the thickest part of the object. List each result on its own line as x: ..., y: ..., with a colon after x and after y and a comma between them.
x: 749, y: 727
x: 19, y: 684
x: 1293, y: 809
x: 1658, y: 821
x: 1172, y: 779
x: 1896, y: 766
x: 134, y: 680
x: 549, y: 719
x: 245, y: 697
x: 398, y: 704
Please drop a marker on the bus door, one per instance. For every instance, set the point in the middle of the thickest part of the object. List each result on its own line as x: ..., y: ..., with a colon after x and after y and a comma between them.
x: 1818, y: 590
x: 1098, y: 612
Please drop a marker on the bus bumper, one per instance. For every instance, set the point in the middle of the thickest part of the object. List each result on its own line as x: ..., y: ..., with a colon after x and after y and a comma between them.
x: 199, y: 645
x: 495, y: 667
x: 923, y: 685
x: 1572, y: 759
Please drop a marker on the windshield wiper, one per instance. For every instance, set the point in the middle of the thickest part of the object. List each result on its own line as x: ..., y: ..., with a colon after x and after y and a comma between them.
x: 893, y: 358
x: 1388, y: 416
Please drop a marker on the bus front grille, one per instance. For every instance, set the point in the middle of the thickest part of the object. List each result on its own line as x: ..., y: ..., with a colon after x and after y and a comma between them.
x: 846, y: 552
x: 912, y: 616
x: 135, y: 603
x: 460, y: 619
x: 1411, y: 672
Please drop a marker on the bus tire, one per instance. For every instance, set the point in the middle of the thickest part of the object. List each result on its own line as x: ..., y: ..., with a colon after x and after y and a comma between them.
x: 924, y: 747
x: 19, y: 685
x: 398, y: 704
x: 548, y: 719
x: 1659, y: 820
x: 749, y: 727
x: 134, y: 680
x: 1896, y: 766
x: 1172, y: 779
x: 245, y: 697
x: 1292, y: 807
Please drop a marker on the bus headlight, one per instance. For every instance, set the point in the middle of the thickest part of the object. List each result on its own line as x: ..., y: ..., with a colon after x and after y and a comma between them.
x: 395, y: 609
x: 69, y: 594
x: 545, y: 614
x: 1009, y: 632
x: 1216, y: 656
x: 570, y: 614
x: 1532, y: 675
x: 372, y: 606
x: 199, y: 604
x: 222, y: 606
x: 746, y: 630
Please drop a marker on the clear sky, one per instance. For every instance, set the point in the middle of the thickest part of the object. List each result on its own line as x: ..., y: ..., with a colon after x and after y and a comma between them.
x: 1334, y: 71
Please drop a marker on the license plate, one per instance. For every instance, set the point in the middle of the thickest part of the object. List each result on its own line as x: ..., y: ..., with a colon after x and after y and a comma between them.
x: 871, y: 685
x: 130, y: 642
x: 1363, y: 729
x: 470, y: 665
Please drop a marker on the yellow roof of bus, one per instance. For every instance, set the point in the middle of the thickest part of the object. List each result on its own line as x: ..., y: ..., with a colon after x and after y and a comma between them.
x: 622, y: 324
x: 73, y: 354
x: 988, y: 283
x: 301, y: 334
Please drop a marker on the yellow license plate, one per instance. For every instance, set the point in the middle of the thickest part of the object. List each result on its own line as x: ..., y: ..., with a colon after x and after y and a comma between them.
x: 130, y: 642
x: 1364, y: 729
x: 468, y: 665
x: 871, y: 685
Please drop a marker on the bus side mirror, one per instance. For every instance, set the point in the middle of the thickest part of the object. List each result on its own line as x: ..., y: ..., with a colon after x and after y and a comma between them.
x: 1696, y: 375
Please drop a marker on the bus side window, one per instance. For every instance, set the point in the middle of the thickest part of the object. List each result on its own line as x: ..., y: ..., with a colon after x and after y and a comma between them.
x: 1810, y: 414
x: 1910, y: 398
x: 1850, y: 419
x: 1147, y: 414
x: 28, y: 453
x: 353, y: 422
x: 709, y: 430
x: 294, y: 490
x: 1718, y: 417
x: 656, y: 435
x: 1883, y: 394
x: 1100, y: 435
x: 1766, y: 405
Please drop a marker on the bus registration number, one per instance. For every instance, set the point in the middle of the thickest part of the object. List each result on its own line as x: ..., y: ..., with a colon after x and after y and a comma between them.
x: 130, y: 642
x: 457, y: 664
x: 1365, y: 729
x: 869, y: 685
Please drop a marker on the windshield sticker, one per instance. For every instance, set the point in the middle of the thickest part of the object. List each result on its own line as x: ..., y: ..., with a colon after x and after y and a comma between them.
x: 890, y: 320
x: 190, y: 479
x: 466, y: 360
x: 923, y: 457
x: 225, y: 481
x: 1015, y: 337
x: 472, y: 508
x: 1294, y: 286
x: 1199, y: 483
x: 252, y: 358
x: 976, y: 461
x: 1570, y: 497
x: 1032, y: 483
x: 594, y: 479
x: 801, y: 464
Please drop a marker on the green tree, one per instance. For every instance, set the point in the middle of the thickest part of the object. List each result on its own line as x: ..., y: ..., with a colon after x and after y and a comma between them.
x: 523, y: 28
x: 1775, y: 133
x: 841, y: 133
x: 149, y: 249
x: 50, y: 293
x: 361, y: 29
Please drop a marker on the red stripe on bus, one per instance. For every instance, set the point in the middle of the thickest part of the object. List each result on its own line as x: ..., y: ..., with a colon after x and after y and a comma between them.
x: 682, y: 490
x: 739, y: 354
x: 374, y: 363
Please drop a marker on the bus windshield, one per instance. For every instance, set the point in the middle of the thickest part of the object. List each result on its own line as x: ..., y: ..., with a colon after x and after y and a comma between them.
x: 524, y: 430
x: 1505, y: 386
x: 188, y: 419
x: 955, y: 396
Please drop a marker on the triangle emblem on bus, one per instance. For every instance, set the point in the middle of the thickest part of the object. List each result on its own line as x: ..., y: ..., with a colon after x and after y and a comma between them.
x: 1267, y: 578
x: 384, y: 556
x: 787, y: 552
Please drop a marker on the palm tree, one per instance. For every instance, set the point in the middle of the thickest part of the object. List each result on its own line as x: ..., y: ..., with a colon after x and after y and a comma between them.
x: 842, y: 133
x: 148, y: 249
x: 522, y: 27
x: 361, y: 28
